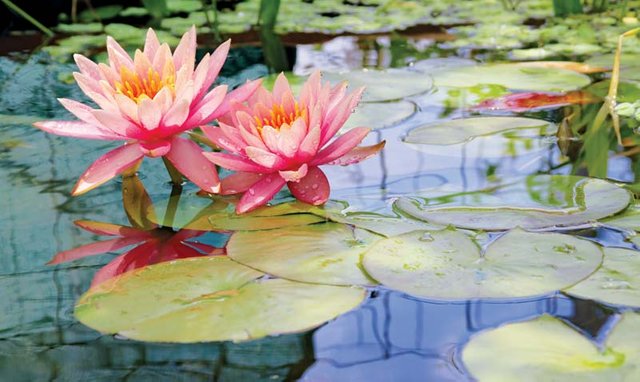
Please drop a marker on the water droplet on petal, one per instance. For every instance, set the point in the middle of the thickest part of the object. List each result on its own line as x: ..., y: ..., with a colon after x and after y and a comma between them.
x: 252, y: 191
x: 314, y: 186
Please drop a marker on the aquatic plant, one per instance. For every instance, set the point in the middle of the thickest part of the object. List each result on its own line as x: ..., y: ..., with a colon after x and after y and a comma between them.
x: 148, y: 101
x: 275, y: 140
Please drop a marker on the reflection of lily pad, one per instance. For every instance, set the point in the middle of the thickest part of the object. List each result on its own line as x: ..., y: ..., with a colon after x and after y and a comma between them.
x: 616, y: 282
x: 536, y: 201
x: 448, y: 265
x: 512, y: 76
x: 321, y: 253
x: 546, y: 349
x: 209, y: 299
x: 218, y: 214
x: 379, y: 115
x: 385, y: 85
x: 507, y: 135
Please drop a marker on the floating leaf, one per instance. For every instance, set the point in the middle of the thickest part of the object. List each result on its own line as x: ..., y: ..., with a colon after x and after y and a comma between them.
x: 497, y: 136
x: 617, y: 281
x: 536, y: 201
x: 628, y: 219
x: 546, y: 349
x: 378, y: 115
x: 568, y: 65
x: 218, y: 214
x: 511, y: 76
x: 521, y: 102
x: 326, y: 253
x: 387, y: 85
x: 209, y: 299
x: 448, y: 265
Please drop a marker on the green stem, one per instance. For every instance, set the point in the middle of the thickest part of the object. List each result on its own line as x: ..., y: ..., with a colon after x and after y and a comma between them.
x: 172, y: 206
x: 28, y: 17
x: 174, y: 174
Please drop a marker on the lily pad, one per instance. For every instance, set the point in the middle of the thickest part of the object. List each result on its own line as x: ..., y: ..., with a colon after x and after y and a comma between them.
x: 546, y: 349
x: 384, y: 85
x: 380, y: 115
x: 536, y: 201
x: 628, y: 219
x: 326, y: 253
x: 218, y: 214
x: 209, y: 299
x: 448, y: 265
x: 499, y: 136
x: 616, y: 282
x: 511, y: 76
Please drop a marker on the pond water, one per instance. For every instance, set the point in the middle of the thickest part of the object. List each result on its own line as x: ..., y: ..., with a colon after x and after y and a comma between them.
x: 391, y: 335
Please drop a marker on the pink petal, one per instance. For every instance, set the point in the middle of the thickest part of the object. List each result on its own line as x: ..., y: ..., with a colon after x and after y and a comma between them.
x: 265, y: 158
x: 117, y: 123
x: 92, y: 249
x: 76, y: 129
x: 87, y: 67
x: 358, y: 154
x: 290, y: 138
x: 239, y: 182
x: 260, y: 193
x: 342, y: 145
x: 117, y: 56
x: 217, y: 136
x: 234, y: 162
x: 127, y: 107
x: 339, y: 115
x: 295, y: 176
x: 185, y: 53
x: 281, y: 88
x: 149, y: 113
x: 237, y: 95
x: 206, y: 75
x: 187, y: 156
x: 313, y: 188
x: 177, y: 114
x: 108, y: 166
x: 151, y: 44
x: 109, y: 229
x: 310, y: 88
x: 207, y: 106
x: 155, y: 149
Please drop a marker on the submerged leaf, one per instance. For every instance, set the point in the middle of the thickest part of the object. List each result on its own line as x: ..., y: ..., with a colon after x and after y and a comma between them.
x: 209, y: 299
x: 547, y: 349
x: 326, y: 253
x: 448, y: 265
x: 537, y: 201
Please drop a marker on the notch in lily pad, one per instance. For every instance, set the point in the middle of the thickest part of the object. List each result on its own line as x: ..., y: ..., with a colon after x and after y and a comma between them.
x: 209, y: 299
x: 448, y: 265
x: 326, y: 253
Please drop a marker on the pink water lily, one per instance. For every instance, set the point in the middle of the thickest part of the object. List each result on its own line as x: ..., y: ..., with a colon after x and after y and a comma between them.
x: 148, y: 101
x: 275, y: 139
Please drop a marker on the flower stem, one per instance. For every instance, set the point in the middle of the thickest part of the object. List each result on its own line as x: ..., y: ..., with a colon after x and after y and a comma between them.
x: 174, y: 174
x: 27, y: 17
x: 172, y: 206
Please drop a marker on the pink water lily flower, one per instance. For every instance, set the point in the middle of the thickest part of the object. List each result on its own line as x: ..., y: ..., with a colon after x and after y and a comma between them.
x: 275, y: 139
x: 148, y: 101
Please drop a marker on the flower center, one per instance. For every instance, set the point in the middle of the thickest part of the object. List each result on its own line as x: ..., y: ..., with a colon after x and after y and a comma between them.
x: 138, y: 88
x: 278, y: 117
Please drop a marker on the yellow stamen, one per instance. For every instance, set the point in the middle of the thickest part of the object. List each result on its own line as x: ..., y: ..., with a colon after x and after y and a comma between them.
x: 138, y: 88
x: 279, y: 117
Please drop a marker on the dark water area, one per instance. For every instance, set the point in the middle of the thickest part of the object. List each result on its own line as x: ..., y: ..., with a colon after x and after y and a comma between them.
x: 392, y: 336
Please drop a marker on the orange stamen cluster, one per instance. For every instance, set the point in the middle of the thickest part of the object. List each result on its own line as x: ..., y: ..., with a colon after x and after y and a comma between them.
x: 278, y: 117
x: 137, y: 88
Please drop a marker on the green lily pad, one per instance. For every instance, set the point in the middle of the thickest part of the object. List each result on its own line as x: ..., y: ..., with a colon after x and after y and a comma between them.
x: 628, y: 219
x: 218, y: 214
x: 326, y: 253
x: 616, y: 282
x: 499, y: 136
x: 536, y: 201
x: 387, y: 85
x: 546, y: 349
x: 209, y: 299
x: 448, y: 265
x: 380, y: 115
x: 511, y: 76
